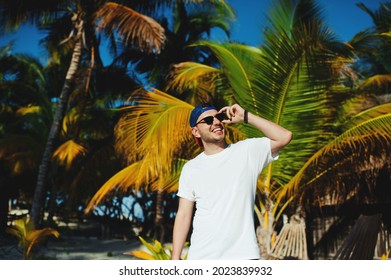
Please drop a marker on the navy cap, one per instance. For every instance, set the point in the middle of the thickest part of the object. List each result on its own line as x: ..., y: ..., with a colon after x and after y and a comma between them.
x: 197, y: 112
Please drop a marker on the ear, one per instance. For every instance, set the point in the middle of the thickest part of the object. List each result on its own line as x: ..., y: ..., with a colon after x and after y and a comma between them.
x: 195, y: 132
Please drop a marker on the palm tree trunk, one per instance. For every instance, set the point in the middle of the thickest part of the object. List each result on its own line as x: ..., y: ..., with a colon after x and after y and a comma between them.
x: 159, y: 219
x: 265, y: 229
x: 309, y: 234
x: 40, y: 189
x: 4, y: 197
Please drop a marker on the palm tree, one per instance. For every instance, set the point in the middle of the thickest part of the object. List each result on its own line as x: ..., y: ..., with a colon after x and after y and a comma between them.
x: 292, y: 78
x: 295, y: 76
x: 296, y: 83
x: 25, y: 115
x: 372, y: 46
x: 353, y: 168
x: 286, y: 81
x: 85, y: 157
x: 155, y: 167
x: 135, y: 29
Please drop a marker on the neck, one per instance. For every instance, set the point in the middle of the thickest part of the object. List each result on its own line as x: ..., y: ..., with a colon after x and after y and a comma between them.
x: 214, y: 148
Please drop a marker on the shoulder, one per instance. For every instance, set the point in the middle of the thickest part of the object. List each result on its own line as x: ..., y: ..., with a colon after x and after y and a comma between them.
x: 252, y: 142
x: 193, y: 162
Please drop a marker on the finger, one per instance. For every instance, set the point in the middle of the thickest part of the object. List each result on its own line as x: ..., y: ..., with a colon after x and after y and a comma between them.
x: 232, y: 111
x: 224, y: 110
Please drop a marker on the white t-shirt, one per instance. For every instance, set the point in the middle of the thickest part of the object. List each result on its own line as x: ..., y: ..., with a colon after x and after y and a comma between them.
x: 223, y: 187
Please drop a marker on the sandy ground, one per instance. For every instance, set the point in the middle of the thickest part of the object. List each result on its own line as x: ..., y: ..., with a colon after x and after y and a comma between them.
x: 81, y: 248
x: 75, y: 248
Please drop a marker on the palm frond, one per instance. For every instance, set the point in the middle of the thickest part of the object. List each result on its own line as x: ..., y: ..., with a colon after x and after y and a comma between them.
x: 70, y: 119
x: 133, y: 178
x: 15, y: 13
x: 28, y: 236
x: 192, y: 75
x: 386, y: 34
x: 140, y: 254
x: 169, y: 182
x: 28, y: 110
x: 37, y: 236
x: 156, y: 248
x: 365, y: 41
x: 68, y: 152
x: 292, y: 81
x: 356, y: 143
x: 237, y: 62
x: 376, y: 82
x: 291, y: 241
x: 97, y: 167
x: 157, y: 125
x: 365, y: 232
x: 368, y: 114
x: 20, y: 152
x: 135, y: 28
x: 150, y: 133
x: 120, y: 181
x: 210, y: 14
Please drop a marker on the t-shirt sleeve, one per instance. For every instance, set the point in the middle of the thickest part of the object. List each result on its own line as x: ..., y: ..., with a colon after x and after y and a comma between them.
x: 260, y: 152
x: 185, y: 187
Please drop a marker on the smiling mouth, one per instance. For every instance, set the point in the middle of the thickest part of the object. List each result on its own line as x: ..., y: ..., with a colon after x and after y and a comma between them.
x: 217, y: 129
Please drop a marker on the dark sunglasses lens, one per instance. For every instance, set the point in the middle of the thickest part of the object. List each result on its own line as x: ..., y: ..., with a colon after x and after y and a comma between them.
x: 221, y: 117
x: 208, y: 120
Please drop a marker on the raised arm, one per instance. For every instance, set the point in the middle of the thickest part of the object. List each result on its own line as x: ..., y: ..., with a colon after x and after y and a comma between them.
x: 279, y: 136
x: 181, y: 227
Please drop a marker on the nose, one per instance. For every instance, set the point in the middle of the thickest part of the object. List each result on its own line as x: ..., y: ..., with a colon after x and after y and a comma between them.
x: 216, y: 121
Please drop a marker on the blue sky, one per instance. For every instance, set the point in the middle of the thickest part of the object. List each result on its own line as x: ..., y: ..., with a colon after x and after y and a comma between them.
x: 343, y: 16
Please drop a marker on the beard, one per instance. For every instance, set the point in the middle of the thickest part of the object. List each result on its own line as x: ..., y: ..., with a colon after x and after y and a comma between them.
x: 214, y: 135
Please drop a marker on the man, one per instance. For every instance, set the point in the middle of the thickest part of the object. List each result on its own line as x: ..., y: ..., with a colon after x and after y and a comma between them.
x: 221, y: 181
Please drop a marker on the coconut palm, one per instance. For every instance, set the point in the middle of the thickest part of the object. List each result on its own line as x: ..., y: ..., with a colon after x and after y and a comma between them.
x: 286, y: 81
x: 290, y: 81
x: 373, y: 44
x: 153, y: 167
x: 85, y: 157
x: 134, y: 28
x: 28, y: 236
x: 295, y: 84
x: 353, y: 168
x: 191, y: 23
x: 25, y: 117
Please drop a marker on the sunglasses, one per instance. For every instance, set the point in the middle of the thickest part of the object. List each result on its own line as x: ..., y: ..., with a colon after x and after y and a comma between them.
x: 209, y: 119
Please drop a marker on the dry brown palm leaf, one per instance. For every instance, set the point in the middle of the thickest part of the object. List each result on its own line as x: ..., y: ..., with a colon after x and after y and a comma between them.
x: 377, y: 82
x: 361, y: 242
x: 133, y: 27
x: 291, y: 243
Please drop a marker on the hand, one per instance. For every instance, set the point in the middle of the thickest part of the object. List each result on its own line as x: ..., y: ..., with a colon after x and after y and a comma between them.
x: 235, y: 113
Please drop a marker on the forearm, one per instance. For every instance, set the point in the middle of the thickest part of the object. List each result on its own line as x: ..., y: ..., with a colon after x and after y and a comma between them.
x: 279, y: 136
x: 271, y: 130
x: 180, y: 232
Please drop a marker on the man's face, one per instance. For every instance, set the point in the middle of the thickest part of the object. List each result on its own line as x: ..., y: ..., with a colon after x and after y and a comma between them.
x: 212, y: 133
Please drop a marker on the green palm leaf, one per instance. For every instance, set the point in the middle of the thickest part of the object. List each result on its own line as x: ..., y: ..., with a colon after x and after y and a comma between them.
x: 369, y: 114
x: 368, y: 131
x: 237, y: 62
